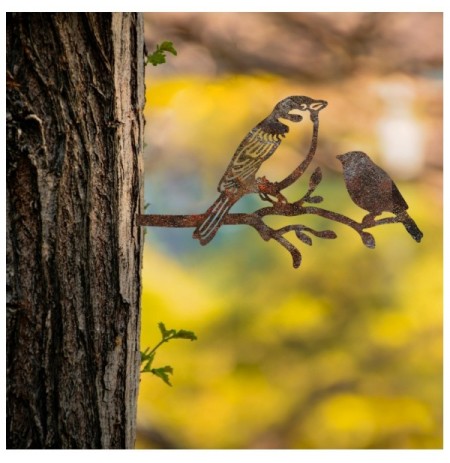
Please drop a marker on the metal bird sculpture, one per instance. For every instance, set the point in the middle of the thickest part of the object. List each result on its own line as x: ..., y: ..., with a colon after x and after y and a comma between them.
x: 372, y: 189
x: 259, y: 144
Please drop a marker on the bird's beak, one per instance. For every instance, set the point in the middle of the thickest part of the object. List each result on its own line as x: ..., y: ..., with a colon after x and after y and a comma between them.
x: 318, y: 105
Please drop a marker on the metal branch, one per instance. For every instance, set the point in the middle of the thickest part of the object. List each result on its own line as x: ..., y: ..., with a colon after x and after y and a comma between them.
x: 256, y: 221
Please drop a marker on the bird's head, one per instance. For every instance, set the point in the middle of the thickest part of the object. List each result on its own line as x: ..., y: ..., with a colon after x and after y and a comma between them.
x: 300, y: 103
x: 352, y: 157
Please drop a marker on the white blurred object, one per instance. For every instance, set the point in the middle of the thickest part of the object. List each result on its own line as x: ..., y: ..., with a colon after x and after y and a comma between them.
x: 401, y: 136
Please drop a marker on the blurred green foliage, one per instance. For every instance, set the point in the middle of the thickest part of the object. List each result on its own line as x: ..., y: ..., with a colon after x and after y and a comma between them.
x: 148, y: 355
x: 344, y: 352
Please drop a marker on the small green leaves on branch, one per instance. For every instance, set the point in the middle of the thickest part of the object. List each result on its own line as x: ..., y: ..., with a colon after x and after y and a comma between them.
x: 148, y: 355
x: 163, y: 373
x: 159, y: 55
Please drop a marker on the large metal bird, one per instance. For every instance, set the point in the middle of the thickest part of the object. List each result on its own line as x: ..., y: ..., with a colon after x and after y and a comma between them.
x: 259, y: 144
x: 372, y: 189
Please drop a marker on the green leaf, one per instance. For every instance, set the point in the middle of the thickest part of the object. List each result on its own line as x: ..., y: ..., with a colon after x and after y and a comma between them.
x: 159, y: 55
x: 163, y: 373
x: 166, y: 334
x: 162, y: 328
x: 156, y: 58
x: 184, y: 334
x: 168, y: 46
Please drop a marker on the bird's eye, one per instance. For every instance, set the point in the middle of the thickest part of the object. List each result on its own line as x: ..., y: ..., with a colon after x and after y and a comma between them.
x: 303, y: 107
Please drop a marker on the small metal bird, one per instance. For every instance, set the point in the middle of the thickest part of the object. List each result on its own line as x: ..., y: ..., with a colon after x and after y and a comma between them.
x: 371, y: 188
x: 259, y: 144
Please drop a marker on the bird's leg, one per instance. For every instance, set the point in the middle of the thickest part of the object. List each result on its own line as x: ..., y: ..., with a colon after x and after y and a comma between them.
x: 369, y: 220
x: 266, y: 188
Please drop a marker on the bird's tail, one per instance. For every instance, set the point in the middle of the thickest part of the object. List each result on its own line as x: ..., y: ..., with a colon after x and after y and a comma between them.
x: 411, y: 226
x: 214, y: 218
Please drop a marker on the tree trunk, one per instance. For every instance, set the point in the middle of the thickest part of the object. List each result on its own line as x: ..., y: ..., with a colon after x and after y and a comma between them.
x: 75, y: 96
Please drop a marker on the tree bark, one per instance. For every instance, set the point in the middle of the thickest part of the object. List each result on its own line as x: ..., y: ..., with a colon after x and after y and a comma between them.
x: 75, y: 96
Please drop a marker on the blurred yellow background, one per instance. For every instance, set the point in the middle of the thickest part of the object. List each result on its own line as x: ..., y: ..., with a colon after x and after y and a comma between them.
x: 346, y: 351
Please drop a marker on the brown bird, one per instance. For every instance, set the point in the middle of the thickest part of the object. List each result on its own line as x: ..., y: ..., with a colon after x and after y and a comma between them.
x: 371, y: 188
x: 259, y: 144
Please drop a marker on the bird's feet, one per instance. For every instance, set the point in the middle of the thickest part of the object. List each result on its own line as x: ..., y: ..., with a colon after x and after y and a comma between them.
x: 267, y: 189
x: 369, y: 220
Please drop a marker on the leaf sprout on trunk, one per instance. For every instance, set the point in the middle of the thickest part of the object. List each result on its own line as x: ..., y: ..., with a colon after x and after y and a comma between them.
x: 147, y: 356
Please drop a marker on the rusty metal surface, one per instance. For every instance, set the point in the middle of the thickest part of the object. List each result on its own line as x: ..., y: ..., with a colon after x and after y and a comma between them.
x: 259, y: 145
x: 369, y: 186
x: 372, y: 189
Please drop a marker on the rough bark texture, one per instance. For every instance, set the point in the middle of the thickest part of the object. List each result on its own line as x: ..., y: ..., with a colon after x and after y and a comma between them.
x: 75, y: 95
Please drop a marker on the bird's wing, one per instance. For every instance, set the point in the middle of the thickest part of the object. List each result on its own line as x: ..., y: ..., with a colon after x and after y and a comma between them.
x: 381, y: 191
x: 254, y: 149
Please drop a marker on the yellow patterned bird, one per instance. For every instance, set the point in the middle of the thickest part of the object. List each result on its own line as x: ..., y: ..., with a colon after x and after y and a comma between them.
x: 259, y: 144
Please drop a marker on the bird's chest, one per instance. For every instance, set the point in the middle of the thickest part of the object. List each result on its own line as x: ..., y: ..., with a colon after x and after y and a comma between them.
x: 370, y: 191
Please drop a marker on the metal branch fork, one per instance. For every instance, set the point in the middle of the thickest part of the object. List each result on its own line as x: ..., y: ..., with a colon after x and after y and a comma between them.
x: 280, y: 206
